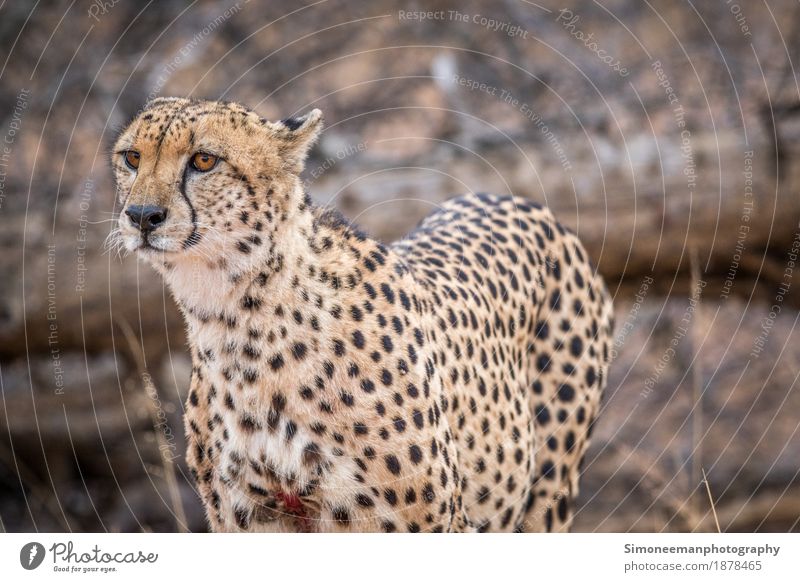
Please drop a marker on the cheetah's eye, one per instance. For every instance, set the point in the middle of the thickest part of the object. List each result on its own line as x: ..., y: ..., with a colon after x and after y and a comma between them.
x: 132, y: 159
x: 203, y: 162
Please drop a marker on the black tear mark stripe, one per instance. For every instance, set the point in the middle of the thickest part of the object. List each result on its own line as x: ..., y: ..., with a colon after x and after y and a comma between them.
x: 194, y: 237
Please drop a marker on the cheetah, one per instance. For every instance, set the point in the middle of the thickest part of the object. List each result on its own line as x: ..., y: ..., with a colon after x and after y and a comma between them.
x: 447, y: 382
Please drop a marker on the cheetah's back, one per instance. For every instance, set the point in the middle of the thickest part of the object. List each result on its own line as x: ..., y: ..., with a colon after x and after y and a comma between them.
x: 520, y: 327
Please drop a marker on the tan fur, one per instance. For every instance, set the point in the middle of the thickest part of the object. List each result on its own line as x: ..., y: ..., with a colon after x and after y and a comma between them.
x: 342, y: 385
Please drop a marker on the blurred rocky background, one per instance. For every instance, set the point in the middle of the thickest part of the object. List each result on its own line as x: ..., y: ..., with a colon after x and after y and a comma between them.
x: 665, y: 133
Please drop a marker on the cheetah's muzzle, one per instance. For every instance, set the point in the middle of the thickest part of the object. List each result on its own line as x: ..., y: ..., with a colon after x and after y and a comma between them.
x: 446, y: 382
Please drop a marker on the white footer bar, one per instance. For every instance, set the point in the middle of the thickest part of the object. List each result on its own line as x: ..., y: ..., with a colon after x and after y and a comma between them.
x: 410, y: 558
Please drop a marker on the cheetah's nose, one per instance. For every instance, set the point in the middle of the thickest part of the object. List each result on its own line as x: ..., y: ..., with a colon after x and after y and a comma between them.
x: 147, y: 217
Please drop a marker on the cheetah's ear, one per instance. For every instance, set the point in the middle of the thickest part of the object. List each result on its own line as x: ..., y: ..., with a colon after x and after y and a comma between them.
x: 297, y: 135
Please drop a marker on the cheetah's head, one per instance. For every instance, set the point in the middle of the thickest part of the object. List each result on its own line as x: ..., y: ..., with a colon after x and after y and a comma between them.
x: 208, y: 179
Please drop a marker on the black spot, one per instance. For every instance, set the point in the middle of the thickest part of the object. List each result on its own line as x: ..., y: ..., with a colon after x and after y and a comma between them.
x: 358, y: 339
x: 340, y: 514
x: 387, y: 292
x: 242, y: 517
x: 393, y: 464
x: 338, y: 347
x: 576, y: 346
x: 250, y: 351
x: 548, y: 470
x: 569, y: 441
x: 542, y: 414
x: 299, y: 350
x: 566, y: 393
x: 276, y: 362
x: 428, y: 495
x: 419, y: 418
x: 543, y: 363
x: 562, y: 509
x: 249, y: 423
x: 291, y: 430
x: 555, y: 300
x: 364, y: 500
x: 548, y: 519
x: 251, y: 303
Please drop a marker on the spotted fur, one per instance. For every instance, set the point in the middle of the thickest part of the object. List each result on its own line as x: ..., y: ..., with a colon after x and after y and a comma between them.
x: 446, y: 382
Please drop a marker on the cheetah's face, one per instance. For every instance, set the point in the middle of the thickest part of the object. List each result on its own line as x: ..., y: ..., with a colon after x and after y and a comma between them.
x: 208, y: 179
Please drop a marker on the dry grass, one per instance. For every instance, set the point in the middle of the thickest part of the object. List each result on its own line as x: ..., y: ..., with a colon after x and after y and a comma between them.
x: 711, y: 501
x: 168, y: 467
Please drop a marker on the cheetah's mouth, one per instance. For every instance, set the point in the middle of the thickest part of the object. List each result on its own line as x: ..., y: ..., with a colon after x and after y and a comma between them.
x: 158, y: 243
x: 145, y: 243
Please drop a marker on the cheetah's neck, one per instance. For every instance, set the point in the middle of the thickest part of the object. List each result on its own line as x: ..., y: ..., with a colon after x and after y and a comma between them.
x: 318, y: 262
